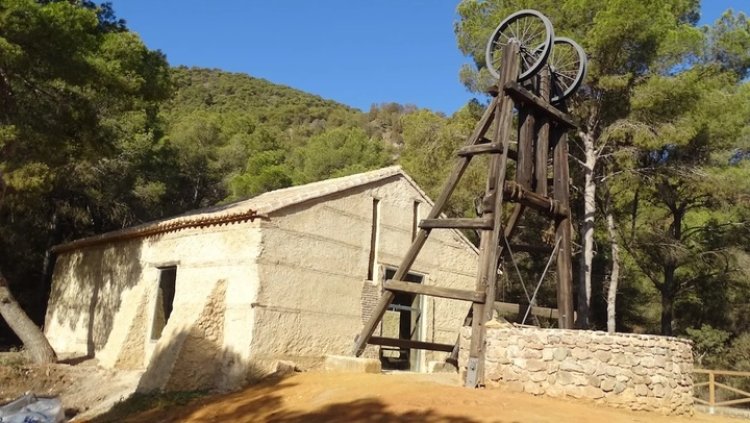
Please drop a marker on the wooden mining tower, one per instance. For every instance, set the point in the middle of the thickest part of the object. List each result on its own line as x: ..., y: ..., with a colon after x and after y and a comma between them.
x: 535, y: 72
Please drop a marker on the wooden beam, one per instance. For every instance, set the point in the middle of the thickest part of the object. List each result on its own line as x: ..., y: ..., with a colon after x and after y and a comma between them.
x: 522, y: 95
x: 456, y: 223
x: 721, y: 372
x: 485, y: 149
x: 512, y: 154
x: 518, y: 194
x: 408, y: 343
x: 490, y: 240
x: 434, y: 291
x: 526, y: 138
x: 471, y: 150
x: 542, y: 140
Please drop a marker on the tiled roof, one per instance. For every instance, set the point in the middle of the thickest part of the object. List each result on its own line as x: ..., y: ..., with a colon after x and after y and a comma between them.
x: 250, y: 209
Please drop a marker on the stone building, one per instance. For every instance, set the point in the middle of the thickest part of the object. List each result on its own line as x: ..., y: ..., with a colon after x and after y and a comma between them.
x: 211, y: 297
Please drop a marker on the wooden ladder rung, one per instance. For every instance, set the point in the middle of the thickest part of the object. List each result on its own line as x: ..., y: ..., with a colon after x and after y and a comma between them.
x: 470, y: 150
x: 435, y: 291
x: 408, y: 343
x: 456, y: 223
x: 490, y: 148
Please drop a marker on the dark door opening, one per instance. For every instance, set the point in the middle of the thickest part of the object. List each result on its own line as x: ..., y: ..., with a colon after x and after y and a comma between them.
x: 164, y: 300
x: 402, y: 320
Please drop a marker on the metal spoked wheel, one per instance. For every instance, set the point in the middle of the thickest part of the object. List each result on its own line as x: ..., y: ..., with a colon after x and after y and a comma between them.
x: 533, y: 31
x: 567, y: 64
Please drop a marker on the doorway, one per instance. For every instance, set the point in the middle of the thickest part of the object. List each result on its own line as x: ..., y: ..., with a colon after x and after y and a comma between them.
x: 402, y: 320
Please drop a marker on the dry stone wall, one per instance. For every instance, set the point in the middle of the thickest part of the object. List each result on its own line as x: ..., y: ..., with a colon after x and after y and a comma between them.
x: 639, y: 372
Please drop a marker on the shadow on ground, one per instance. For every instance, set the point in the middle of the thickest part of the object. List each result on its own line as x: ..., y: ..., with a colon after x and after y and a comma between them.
x: 265, y: 403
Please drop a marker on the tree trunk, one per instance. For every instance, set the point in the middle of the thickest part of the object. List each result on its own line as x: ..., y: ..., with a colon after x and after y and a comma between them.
x: 32, y: 337
x: 669, y: 287
x: 587, y: 241
x: 614, y: 277
x: 667, y: 300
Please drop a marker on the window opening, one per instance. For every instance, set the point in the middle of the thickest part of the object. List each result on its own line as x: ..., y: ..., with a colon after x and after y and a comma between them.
x: 374, y: 233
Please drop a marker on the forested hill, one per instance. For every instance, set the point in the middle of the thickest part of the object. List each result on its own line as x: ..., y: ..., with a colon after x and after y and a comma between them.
x: 235, y: 136
x: 217, y: 91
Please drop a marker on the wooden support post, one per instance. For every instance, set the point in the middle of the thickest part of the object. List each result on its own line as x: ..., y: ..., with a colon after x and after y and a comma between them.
x: 526, y: 132
x: 458, y: 170
x: 563, y: 229
x: 542, y: 141
x: 489, y: 243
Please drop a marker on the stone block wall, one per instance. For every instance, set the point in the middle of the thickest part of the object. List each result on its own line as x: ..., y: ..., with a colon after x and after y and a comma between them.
x: 639, y: 372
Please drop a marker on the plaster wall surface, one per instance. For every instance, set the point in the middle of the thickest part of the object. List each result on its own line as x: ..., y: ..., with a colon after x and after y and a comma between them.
x: 639, y: 372
x: 313, y: 270
x: 292, y: 286
x: 103, y: 301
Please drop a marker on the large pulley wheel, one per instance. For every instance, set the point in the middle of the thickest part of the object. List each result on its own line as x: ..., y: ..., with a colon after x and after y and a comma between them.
x: 567, y: 64
x: 534, y: 33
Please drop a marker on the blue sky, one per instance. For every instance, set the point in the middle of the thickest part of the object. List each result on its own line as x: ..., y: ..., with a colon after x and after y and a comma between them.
x: 356, y: 52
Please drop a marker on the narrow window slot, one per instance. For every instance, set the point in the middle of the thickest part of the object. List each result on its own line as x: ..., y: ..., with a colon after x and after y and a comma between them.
x: 374, y: 234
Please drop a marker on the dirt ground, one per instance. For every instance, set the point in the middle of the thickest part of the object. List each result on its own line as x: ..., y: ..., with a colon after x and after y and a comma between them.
x: 88, y: 391
x: 85, y: 389
x: 337, y: 397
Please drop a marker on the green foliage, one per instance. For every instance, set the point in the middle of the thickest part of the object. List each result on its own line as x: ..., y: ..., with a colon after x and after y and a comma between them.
x: 739, y: 353
x: 79, y: 134
x: 665, y: 110
x: 729, y: 43
x: 707, y: 342
x: 265, y: 171
x: 428, y: 155
x: 236, y: 136
x: 338, y: 152
x: 98, y: 133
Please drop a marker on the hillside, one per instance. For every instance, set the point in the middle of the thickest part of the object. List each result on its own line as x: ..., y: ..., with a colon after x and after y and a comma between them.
x: 235, y: 136
x: 217, y: 91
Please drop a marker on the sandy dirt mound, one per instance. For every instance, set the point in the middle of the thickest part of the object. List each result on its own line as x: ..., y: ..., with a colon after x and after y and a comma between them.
x: 331, y: 397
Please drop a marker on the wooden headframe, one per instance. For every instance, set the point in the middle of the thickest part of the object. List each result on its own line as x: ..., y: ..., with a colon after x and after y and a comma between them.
x: 542, y: 127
